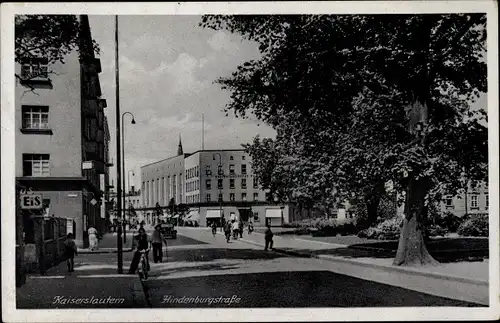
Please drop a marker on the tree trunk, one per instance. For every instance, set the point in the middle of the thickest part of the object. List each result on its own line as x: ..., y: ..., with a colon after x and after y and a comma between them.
x: 372, y: 210
x: 412, y: 250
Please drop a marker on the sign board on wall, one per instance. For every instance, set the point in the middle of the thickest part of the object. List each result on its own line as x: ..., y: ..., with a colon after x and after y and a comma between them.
x: 69, y: 225
x: 31, y: 201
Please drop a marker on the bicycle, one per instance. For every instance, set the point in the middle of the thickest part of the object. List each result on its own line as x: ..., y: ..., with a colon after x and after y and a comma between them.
x: 143, y: 265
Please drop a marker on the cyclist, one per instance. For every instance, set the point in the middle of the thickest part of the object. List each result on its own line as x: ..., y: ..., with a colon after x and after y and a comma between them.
x: 141, y: 242
x: 214, y: 228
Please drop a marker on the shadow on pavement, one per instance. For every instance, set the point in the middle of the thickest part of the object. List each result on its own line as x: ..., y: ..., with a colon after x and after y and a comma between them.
x: 210, y: 254
x: 286, y: 290
x: 207, y: 267
x: 444, y: 250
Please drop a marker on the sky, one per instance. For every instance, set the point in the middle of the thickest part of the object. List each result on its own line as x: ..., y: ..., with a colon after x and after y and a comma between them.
x: 168, y: 65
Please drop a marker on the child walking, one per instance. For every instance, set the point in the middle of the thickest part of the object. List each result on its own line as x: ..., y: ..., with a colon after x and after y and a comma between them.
x: 71, y: 251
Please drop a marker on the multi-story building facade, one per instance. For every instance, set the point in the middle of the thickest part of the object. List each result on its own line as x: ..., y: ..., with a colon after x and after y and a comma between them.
x: 162, y: 181
x: 209, y: 181
x: 61, y: 137
x: 475, y: 201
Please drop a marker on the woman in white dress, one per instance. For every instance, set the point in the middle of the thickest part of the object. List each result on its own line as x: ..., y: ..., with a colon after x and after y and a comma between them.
x: 93, y: 241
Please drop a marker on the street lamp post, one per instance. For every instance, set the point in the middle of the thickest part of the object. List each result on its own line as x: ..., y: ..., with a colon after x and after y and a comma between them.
x: 220, y: 187
x: 123, y: 170
x: 119, y: 240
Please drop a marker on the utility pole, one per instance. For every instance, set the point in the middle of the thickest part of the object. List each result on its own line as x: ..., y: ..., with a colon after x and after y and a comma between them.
x: 119, y: 240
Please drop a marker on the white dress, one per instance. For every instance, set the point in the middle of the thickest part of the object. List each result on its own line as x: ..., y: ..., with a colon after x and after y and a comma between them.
x: 92, y: 238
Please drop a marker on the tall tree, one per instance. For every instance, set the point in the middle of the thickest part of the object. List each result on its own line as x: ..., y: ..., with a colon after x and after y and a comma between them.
x: 380, y: 96
x: 50, y: 38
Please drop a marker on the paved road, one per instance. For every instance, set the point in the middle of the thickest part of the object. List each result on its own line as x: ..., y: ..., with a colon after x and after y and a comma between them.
x: 201, y: 268
x: 242, y: 275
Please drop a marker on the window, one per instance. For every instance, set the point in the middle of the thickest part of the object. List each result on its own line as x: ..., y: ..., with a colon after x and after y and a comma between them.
x: 219, y: 183
x: 243, y: 183
x: 243, y: 196
x: 243, y: 169
x: 231, y: 169
x: 256, y: 217
x: 209, y: 197
x: 35, y: 117
x: 255, y: 182
x: 197, y: 171
x: 231, y: 158
x: 220, y: 171
x: 220, y: 197
x: 36, y: 165
x: 255, y: 196
x: 449, y: 201
x: 208, y: 170
x: 208, y: 184
x: 473, y: 201
x: 243, y: 157
x: 231, y: 197
x: 231, y: 183
x: 487, y: 201
x: 35, y: 70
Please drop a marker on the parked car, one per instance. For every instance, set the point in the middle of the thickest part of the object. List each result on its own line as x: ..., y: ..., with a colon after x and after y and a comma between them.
x: 168, y: 230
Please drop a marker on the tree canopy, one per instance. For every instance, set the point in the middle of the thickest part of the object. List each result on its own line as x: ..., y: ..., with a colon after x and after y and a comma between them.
x: 358, y: 100
x: 50, y: 37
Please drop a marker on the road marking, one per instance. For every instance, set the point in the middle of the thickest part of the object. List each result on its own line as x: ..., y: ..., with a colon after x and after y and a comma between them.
x: 107, y: 276
x: 321, y: 242
x: 48, y: 277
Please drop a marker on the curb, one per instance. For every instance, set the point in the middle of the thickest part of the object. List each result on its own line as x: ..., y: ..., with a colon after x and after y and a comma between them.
x: 102, y: 251
x: 377, y: 266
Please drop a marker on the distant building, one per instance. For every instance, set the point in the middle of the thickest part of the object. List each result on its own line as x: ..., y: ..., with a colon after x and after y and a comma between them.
x: 475, y: 201
x: 206, y: 180
x: 60, y: 125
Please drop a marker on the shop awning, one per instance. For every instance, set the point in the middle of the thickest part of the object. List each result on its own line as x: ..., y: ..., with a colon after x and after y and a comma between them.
x: 213, y: 214
x: 273, y: 213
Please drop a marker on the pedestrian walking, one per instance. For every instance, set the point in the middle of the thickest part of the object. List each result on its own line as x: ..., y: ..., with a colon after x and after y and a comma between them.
x: 93, y: 241
x: 240, y: 228
x: 214, y: 228
x: 250, y: 227
x: 269, y: 238
x: 235, y: 230
x: 227, y: 231
x: 70, y: 251
x: 157, y: 242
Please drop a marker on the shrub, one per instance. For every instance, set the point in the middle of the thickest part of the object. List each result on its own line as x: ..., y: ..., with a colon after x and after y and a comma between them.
x: 450, y: 222
x: 386, y: 230
x: 389, y: 229
x: 434, y: 230
x: 476, y: 226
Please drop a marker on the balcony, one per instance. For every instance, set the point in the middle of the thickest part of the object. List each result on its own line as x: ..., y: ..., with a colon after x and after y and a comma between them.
x: 92, y: 65
x: 110, y: 163
x: 94, y: 151
x: 103, y: 103
x: 90, y: 108
x: 92, y: 88
x: 100, y: 136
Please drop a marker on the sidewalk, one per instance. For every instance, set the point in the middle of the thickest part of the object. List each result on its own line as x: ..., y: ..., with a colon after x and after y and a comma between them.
x: 108, y: 244
x: 469, y: 272
x: 94, y: 284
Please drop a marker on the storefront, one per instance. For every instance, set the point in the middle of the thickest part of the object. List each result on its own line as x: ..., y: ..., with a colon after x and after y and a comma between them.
x: 274, y: 217
x: 213, y: 216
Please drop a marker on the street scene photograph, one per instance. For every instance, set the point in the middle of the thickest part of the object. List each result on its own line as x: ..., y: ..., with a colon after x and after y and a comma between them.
x: 258, y: 161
